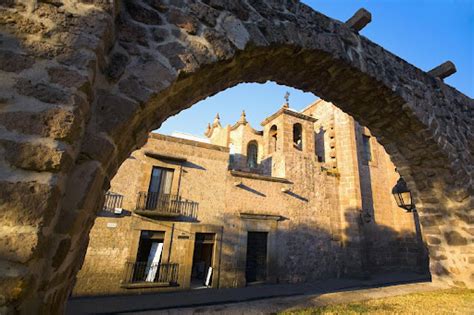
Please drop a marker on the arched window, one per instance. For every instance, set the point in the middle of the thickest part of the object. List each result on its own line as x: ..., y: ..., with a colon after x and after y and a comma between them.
x: 298, y: 136
x: 273, y: 139
x: 252, y: 154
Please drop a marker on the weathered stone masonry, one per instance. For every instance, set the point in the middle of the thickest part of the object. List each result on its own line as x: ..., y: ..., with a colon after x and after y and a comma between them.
x: 82, y: 84
x: 307, y: 212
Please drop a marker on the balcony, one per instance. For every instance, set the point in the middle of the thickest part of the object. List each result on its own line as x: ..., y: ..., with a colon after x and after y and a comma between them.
x: 143, y: 275
x: 113, y: 203
x: 165, y: 205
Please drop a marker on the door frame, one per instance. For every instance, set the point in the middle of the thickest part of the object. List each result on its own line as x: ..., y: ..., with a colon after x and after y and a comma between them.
x: 251, y: 222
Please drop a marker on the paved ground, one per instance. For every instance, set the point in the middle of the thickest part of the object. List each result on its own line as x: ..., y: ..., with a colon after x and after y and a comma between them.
x: 262, y: 299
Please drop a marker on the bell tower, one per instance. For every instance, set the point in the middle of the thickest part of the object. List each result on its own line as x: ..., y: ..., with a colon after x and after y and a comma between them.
x: 288, y: 137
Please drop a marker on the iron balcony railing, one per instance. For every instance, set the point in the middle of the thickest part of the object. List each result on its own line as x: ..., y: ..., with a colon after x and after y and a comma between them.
x: 112, y: 202
x: 166, y: 204
x: 144, y: 272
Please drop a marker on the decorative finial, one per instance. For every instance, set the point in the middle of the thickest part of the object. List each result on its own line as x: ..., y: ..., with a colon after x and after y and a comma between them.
x: 243, y: 118
x: 217, y: 121
x: 287, y: 100
x: 208, y: 130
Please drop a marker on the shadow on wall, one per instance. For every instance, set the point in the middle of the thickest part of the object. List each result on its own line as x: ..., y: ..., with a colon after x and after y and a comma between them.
x: 384, y: 247
x: 239, y: 162
x: 307, y: 252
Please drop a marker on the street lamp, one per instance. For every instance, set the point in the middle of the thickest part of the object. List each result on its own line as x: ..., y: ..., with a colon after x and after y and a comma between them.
x: 403, y: 196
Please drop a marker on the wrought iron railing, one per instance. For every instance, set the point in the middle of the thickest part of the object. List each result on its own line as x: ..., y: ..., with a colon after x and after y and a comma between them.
x: 166, y: 204
x: 144, y: 272
x: 112, y: 201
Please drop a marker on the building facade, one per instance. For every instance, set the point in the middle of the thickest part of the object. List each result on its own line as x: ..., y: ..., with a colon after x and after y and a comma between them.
x: 307, y: 197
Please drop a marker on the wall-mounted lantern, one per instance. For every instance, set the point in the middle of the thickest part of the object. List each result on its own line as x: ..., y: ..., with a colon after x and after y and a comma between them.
x: 403, y: 196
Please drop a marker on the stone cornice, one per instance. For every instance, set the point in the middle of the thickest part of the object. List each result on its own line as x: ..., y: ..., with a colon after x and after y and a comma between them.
x: 165, y: 157
x: 258, y: 216
x: 158, y: 136
x: 288, y: 112
x: 259, y: 177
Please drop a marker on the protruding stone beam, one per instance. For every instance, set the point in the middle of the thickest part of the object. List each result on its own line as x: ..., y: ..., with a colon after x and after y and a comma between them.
x: 444, y: 70
x: 359, y: 20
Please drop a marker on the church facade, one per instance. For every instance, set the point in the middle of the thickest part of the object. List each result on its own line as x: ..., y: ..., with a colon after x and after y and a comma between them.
x: 307, y: 197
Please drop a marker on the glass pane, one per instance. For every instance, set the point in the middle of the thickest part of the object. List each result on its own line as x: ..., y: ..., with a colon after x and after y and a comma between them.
x: 166, y: 181
x: 155, y: 180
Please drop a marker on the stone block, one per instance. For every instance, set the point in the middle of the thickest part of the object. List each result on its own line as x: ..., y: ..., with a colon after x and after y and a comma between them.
x: 41, y: 91
x: 184, y: 21
x: 56, y: 122
x: 142, y: 14
x: 455, y: 239
x: 36, y: 157
x: 14, y: 62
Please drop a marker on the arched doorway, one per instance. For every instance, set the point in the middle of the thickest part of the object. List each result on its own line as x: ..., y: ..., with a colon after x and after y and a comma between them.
x: 126, y: 67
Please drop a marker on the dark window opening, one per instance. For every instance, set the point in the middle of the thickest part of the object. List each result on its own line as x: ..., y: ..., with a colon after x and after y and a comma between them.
x: 256, y: 265
x: 252, y: 154
x: 319, y: 145
x: 298, y: 136
x: 273, y: 139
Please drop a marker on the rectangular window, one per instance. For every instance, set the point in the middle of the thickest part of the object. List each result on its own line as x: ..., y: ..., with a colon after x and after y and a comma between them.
x: 160, y: 184
x: 366, y: 149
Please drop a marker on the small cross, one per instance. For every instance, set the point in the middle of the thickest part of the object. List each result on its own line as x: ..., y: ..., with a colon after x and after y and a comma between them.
x: 287, y: 97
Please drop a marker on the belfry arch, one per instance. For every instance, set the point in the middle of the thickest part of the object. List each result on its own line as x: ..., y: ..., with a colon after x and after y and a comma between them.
x: 83, y: 90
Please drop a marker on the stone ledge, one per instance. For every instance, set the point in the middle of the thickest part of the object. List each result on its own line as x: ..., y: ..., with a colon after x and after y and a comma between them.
x: 188, y: 142
x: 165, y: 157
x: 144, y: 285
x: 258, y: 216
x: 260, y: 177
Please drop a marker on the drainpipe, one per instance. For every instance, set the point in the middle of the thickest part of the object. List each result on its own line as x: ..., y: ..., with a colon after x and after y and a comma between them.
x: 171, y: 243
x: 220, y: 257
x: 179, y: 179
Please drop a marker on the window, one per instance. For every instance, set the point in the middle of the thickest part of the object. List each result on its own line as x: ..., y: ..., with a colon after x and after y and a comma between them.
x: 148, y: 260
x: 366, y: 149
x: 231, y: 155
x: 319, y: 145
x: 252, y: 154
x: 273, y: 139
x: 160, y: 184
x: 297, y: 136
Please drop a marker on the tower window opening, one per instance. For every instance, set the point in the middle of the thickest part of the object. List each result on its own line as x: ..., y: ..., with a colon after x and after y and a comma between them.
x: 252, y: 154
x: 273, y: 139
x: 297, y: 136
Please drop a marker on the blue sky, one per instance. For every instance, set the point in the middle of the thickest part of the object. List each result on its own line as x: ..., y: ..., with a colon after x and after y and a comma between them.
x: 423, y: 32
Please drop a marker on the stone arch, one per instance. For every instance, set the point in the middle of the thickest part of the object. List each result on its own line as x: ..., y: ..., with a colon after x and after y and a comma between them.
x: 89, y: 81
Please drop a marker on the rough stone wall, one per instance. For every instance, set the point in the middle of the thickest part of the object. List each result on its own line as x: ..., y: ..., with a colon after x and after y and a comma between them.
x: 388, y: 235
x: 108, y: 250
x: 393, y: 238
x: 205, y: 178
x: 88, y: 81
x: 309, y: 238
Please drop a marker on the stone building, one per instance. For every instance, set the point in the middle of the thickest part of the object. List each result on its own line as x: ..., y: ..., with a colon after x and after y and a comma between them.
x: 307, y: 197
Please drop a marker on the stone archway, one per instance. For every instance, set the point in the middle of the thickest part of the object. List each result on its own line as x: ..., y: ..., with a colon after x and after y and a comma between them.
x: 83, y: 83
